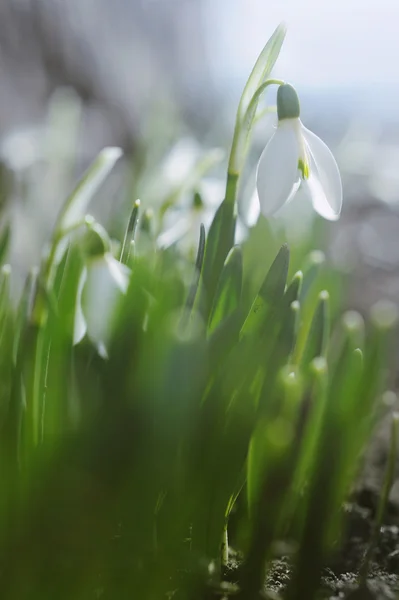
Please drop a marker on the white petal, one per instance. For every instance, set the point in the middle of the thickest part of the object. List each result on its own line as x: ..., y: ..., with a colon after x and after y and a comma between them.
x: 325, y: 180
x: 80, y: 322
x: 107, y: 280
x: 319, y: 199
x: 294, y: 190
x: 277, y: 171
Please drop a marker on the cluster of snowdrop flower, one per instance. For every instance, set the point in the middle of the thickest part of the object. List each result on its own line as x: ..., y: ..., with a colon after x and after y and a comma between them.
x: 295, y: 156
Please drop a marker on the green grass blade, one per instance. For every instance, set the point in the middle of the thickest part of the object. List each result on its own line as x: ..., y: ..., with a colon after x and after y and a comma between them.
x: 294, y: 289
x: 317, y: 340
x: 228, y: 293
x: 263, y: 66
x: 76, y: 204
x: 197, y: 274
x: 5, y: 238
x: 270, y: 293
x: 220, y: 240
x: 130, y: 233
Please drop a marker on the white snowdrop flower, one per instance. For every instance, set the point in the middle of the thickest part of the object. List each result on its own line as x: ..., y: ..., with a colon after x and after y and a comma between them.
x: 104, y: 281
x: 295, y: 156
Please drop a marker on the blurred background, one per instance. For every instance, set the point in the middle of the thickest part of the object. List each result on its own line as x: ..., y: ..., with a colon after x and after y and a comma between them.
x: 78, y: 75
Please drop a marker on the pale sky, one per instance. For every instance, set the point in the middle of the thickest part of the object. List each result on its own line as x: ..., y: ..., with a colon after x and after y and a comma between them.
x: 329, y: 42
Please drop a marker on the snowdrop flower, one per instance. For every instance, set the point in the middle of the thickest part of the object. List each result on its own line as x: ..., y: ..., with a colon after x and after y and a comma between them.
x: 295, y: 156
x: 103, y: 282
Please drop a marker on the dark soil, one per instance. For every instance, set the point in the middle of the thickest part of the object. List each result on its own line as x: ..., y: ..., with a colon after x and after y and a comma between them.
x: 340, y: 578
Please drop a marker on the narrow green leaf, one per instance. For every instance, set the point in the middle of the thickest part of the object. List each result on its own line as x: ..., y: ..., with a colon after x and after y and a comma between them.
x: 76, y: 204
x: 311, y: 269
x: 384, y: 321
x: 267, y: 442
x: 317, y: 340
x: 130, y: 233
x: 345, y: 367
x: 224, y: 338
x: 271, y: 463
x: 228, y: 293
x: 219, y: 242
x: 5, y: 274
x: 257, y: 456
x: 336, y: 453
x: 389, y: 479
x: 293, y: 290
x: 255, y: 86
x: 24, y: 309
x: 5, y: 237
x: 307, y: 431
x: 270, y: 293
x: 263, y: 66
x: 277, y: 355
x: 197, y: 273
x: 390, y: 471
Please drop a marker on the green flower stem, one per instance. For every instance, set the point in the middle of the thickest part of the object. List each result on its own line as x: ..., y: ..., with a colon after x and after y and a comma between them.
x: 225, y: 547
x: 242, y: 129
x: 231, y: 187
x: 253, y: 105
x: 222, y: 231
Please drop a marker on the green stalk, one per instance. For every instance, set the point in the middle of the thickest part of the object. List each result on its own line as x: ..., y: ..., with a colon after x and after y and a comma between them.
x: 231, y: 187
x: 241, y: 137
x: 225, y: 547
x: 222, y: 231
x: 383, y: 503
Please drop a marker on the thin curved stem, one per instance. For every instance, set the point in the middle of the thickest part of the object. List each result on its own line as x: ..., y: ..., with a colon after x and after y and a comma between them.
x: 241, y: 134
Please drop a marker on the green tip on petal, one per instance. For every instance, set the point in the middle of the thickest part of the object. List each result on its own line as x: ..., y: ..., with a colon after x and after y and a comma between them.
x: 304, y: 168
x: 288, y: 106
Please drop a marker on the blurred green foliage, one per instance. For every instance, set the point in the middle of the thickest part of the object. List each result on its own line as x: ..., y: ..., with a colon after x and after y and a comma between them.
x: 217, y: 389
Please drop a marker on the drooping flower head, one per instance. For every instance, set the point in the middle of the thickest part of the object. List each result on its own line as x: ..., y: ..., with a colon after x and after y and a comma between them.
x: 103, y: 282
x: 295, y: 156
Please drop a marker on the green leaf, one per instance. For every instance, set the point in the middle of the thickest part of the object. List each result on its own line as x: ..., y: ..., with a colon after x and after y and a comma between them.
x: 384, y: 321
x: 5, y: 275
x: 311, y: 269
x: 263, y: 67
x: 336, y: 454
x: 317, y: 340
x: 4, y: 242
x: 228, y: 293
x: 257, y: 456
x: 270, y: 293
x: 197, y: 273
x: 255, y: 86
x: 359, y: 395
x: 130, y: 233
x: 389, y: 479
x: 76, y: 204
x: 307, y: 431
x: 270, y: 469
x: 293, y: 290
x: 220, y: 241
x: 278, y: 353
x: 224, y: 338
x: 60, y: 410
x: 70, y: 217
